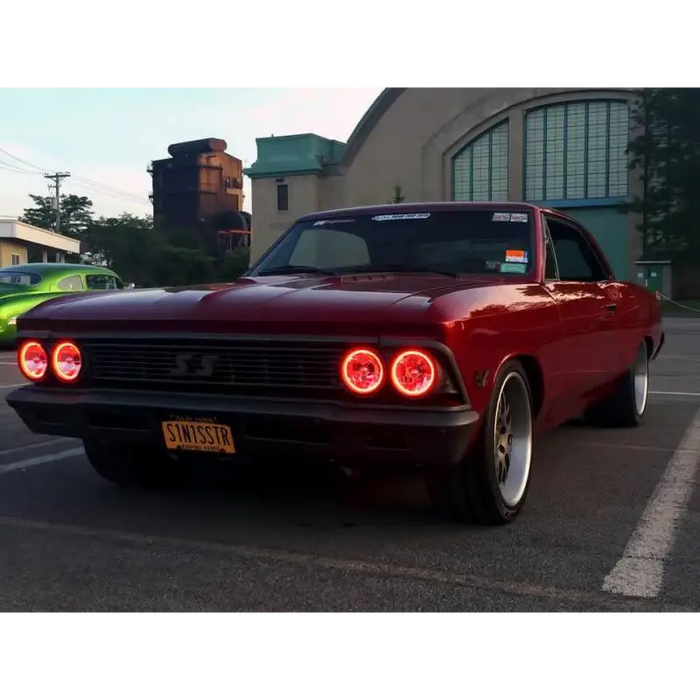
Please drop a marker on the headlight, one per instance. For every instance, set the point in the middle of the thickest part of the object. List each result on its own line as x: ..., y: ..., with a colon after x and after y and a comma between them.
x: 12, y: 321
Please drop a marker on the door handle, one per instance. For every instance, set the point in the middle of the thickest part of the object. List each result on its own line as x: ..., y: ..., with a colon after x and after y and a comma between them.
x: 611, y: 308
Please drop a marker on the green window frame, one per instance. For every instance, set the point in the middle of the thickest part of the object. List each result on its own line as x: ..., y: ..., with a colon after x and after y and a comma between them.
x: 577, y: 151
x: 480, y: 169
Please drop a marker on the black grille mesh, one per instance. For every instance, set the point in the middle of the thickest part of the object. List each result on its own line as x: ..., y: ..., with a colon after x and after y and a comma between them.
x: 231, y: 364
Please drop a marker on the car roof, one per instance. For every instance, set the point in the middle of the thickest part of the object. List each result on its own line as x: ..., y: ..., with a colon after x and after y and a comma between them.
x: 413, y: 207
x: 44, y: 269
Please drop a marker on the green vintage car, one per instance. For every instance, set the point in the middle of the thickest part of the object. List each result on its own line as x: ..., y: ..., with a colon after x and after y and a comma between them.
x: 23, y: 287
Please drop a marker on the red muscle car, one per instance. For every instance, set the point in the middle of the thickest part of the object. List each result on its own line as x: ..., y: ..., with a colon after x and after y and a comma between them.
x: 437, y: 336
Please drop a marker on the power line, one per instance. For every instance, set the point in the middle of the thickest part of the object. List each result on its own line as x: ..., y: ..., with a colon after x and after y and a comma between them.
x: 57, y: 177
x: 86, y: 183
x: 97, y: 188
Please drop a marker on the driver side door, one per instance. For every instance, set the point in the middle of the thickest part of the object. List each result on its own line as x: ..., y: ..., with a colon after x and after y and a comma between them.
x: 588, y: 318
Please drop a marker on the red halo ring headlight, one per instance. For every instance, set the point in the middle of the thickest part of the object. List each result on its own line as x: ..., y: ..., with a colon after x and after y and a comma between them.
x: 33, y: 360
x: 362, y: 371
x: 414, y: 373
x: 66, y: 361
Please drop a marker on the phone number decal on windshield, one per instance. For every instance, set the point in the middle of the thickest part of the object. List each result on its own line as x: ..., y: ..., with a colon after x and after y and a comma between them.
x: 400, y: 217
x: 514, y: 217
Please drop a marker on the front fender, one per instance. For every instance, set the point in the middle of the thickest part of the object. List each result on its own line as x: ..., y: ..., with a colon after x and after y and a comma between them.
x: 15, y: 305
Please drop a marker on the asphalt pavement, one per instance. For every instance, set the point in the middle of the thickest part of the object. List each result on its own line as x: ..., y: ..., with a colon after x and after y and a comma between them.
x: 612, y: 523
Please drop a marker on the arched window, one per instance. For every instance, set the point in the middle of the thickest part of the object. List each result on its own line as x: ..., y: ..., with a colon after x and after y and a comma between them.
x: 577, y: 150
x: 480, y: 170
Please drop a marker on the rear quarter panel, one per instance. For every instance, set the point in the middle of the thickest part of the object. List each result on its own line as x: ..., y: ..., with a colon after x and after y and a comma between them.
x: 640, y: 318
x: 32, y: 309
x: 54, y: 299
x: 18, y: 304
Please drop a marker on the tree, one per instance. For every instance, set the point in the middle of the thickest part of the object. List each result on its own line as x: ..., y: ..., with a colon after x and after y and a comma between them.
x: 76, y: 214
x: 149, y: 256
x: 107, y: 239
x: 132, y: 246
x: 127, y: 244
x: 666, y: 151
x: 232, y: 266
x: 398, y: 195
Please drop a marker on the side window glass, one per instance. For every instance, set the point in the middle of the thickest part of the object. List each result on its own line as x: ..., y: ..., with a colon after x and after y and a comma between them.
x: 575, y: 259
x: 551, y: 271
x: 70, y: 284
x: 325, y: 248
x: 102, y: 282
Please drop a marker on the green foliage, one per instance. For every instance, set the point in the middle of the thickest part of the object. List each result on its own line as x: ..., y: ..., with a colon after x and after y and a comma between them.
x: 135, y: 248
x: 152, y: 257
x: 76, y: 214
x: 665, y: 149
x: 398, y: 195
x: 232, y: 266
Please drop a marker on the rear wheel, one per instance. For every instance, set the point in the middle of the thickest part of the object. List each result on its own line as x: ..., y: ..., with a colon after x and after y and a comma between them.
x: 626, y: 407
x: 131, y: 464
x: 490, y: 486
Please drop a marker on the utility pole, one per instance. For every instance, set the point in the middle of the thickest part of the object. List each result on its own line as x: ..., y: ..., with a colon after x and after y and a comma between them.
x: 57, y: 177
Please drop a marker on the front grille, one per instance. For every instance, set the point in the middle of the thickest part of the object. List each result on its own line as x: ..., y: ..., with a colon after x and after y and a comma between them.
x: 227, y: 366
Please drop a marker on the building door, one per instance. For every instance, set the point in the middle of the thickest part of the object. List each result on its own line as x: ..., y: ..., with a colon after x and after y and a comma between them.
x: 655, y: 278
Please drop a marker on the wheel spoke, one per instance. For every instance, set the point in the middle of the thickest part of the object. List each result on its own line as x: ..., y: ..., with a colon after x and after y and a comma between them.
x: 512, y: 439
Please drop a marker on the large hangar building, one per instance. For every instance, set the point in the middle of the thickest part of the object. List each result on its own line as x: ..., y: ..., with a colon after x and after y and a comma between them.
x: 562, y: 147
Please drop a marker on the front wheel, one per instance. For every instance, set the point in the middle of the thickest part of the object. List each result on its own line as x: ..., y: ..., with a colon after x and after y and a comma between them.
x: 490, y: 486
x: 132, y: 465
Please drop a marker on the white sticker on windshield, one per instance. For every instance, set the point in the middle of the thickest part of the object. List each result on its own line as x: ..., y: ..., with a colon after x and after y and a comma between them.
x: 500, y: 216
x: 519, y: 218
x: 400, y: 217
x: 323, y: 222
x: 516, y: 256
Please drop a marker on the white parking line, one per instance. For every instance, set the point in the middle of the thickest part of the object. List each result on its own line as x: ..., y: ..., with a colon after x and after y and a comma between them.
x: 676, y: 393
x: 683, y: 358
x: 36, y: 461
x: 2, y: 362
x: 640, y: 571
x: 352, y: 567
x: 11, y: 386
x: 34, y: 446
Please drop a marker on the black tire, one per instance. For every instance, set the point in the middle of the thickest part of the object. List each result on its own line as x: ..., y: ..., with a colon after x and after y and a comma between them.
x: 471, y: 491
x: 624, y: 409
x: 131, y: 465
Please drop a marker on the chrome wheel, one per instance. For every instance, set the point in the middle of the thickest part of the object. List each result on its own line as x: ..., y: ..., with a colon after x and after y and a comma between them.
x: 641, y: 380
x: 513, y: 439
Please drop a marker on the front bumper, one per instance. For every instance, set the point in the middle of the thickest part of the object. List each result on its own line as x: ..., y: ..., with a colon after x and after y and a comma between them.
x: 362, y: 436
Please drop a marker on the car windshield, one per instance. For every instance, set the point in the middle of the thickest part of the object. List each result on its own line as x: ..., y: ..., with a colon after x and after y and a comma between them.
x: 19, y: 278
x: 470, y: 241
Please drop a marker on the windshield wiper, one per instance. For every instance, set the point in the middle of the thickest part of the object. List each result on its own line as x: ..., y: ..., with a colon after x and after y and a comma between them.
x: 359, y: 270
x: 396, y: 268
x: 294, y: 270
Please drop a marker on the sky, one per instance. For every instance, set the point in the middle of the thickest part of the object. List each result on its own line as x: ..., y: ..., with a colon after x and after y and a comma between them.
x: 107, y: 137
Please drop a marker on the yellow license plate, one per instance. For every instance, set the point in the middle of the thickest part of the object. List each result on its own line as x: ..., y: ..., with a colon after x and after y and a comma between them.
x: 196, y: 436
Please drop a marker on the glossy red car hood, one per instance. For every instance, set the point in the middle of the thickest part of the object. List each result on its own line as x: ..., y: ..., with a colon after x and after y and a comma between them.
x: 269, y: 300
